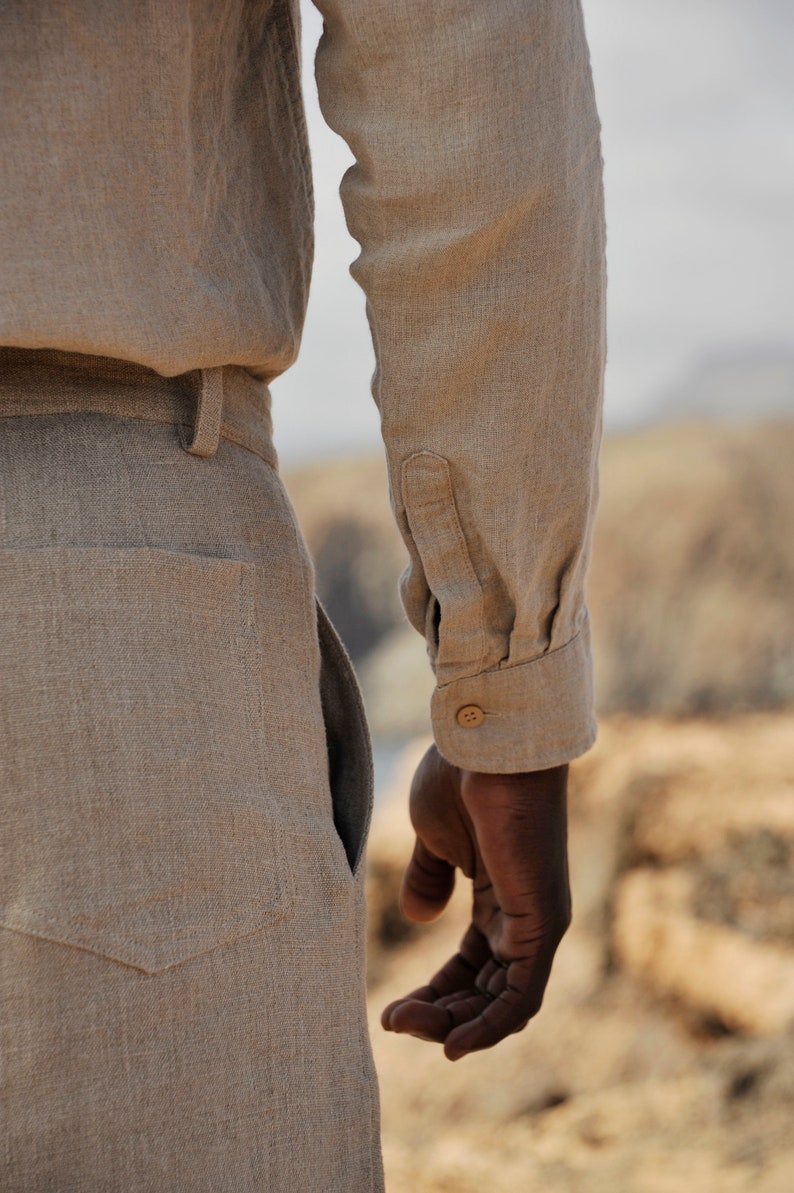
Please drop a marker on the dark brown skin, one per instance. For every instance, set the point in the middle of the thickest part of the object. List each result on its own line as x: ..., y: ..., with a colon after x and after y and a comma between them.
x: 508, y: 833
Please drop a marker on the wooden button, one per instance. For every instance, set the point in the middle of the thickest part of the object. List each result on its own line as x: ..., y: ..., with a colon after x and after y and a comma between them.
x: 470, y: 716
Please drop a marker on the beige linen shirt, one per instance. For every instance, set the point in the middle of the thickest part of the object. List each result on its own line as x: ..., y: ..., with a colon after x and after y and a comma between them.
x: 155, y: 206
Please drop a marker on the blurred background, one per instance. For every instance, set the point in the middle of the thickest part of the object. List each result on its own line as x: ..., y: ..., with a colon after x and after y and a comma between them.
x: 663, y: 1059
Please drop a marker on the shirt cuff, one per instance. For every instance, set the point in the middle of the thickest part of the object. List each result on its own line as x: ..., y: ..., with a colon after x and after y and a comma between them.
x: 522, y: 718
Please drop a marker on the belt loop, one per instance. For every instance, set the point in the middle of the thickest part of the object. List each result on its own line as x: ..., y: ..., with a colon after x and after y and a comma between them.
x: 207, y: 428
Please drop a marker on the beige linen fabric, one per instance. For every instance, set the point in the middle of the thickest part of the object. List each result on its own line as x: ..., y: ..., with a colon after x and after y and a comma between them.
x: 181, y: 889
x: 155, y: 206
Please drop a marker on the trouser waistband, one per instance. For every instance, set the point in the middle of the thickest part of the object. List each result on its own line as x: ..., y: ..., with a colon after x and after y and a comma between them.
x: 206, y: 405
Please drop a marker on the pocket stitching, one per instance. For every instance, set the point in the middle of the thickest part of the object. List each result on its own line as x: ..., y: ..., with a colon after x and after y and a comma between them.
x: 66, y: 929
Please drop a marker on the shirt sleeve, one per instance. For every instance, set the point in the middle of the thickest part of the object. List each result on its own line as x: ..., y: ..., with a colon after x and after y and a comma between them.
x: 476, y: 198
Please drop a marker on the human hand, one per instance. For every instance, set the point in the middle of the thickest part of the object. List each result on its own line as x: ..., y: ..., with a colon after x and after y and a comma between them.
x: 508, y: 833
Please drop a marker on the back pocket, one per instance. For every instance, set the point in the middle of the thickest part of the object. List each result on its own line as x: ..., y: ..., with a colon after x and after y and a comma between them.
x: 136, y: 822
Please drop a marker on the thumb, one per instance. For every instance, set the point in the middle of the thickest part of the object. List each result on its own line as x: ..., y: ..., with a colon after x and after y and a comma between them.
x: 427, y: 885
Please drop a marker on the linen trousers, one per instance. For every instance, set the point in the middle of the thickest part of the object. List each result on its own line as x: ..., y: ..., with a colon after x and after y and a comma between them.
x: 185, y: 780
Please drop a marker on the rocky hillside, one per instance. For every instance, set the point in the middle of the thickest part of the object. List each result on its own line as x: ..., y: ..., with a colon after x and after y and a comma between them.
x: 663, y: 1058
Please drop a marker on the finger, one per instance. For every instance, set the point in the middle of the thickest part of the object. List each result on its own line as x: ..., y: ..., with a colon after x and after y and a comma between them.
x: 456, y: 977
x: 435, y: 1021
x: 423, y: 994
x: 427, y: 885
x: 408, y: 1014
x: 426, y: 1021
x: 492, y: 978
x: 489, y: 982
x: 463, y: 1009
x: 509, y: 1012
x: 461, y: 971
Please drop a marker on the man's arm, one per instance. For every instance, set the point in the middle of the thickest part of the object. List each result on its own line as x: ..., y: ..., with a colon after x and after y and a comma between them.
x: 476, y: 198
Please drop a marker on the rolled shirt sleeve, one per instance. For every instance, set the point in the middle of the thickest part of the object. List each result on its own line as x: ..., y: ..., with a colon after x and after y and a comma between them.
x: 476, y: 198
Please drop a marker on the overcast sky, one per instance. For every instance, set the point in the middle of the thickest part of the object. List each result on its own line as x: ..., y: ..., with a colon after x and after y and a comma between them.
x: 697, y: 105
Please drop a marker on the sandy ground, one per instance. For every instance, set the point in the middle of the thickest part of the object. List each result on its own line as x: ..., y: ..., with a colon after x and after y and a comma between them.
x: 663, y: 1058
